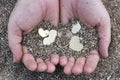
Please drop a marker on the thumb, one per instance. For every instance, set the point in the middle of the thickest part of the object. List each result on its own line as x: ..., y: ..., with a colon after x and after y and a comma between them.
x: 14, y: 40
x: 104, y: 32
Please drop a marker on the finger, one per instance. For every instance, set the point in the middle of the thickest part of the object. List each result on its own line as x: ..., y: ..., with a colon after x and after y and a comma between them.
x: 41, y: 66
x: 14, y: 40
x: 104, y: 32
x: 52, y: 13
x: 29, y: 60
x: 39, y: 60
x: 63, y: 60
x: 54, y: 59
x: 91, y: 62
x: 78, y: 66
x: 66, y: 11
x: 50, y: 67
x: 96, y: 15
x: 68, y: 66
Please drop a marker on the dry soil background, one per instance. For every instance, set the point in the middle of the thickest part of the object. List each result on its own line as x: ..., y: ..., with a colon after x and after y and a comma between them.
x: 108, y: 69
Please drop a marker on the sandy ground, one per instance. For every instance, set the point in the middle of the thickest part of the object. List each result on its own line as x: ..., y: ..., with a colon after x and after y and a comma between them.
x: 108, y: 69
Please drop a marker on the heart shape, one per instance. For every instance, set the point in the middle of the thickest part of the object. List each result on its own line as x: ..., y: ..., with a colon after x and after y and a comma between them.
x: 76, y: 28
x: 43, y: 33
x: 75, y: 44
x: 51, y: 38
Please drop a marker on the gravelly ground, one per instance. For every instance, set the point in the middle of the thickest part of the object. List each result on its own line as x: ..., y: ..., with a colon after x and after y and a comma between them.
x: 108, y: 69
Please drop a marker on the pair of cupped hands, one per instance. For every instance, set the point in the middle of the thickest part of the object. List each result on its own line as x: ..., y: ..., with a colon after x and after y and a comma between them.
x: 28, y: 13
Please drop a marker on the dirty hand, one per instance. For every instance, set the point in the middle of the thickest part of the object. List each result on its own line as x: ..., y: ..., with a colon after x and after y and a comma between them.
x: 25, y: 16
x: 92, y: 13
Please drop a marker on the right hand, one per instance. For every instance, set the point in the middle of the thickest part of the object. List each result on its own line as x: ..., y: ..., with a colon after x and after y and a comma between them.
x: 92, y: 13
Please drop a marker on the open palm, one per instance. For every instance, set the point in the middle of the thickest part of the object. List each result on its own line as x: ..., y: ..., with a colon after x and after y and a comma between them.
x: 28, y: 13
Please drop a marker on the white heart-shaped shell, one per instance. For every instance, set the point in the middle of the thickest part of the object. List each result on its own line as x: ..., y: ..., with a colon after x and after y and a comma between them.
x: 76, y: 28
x: 75, y: 44
x: 43, y: 33
x: 51, y: 38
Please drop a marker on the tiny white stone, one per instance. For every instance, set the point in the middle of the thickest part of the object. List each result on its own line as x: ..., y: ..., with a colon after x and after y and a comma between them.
x: 75, y: 44
x: 43, y: 33
x: 76, y: 28
x: 51, y: 38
